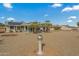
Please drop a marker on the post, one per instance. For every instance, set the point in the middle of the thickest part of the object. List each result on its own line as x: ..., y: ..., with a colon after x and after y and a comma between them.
x: 40, y: 51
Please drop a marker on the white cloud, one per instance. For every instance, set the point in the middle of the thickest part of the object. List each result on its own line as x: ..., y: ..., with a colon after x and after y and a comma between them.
x: 75, y: 7
x: 67, y: 9
x: 46, y: 15
x: 57, y: 5
x: 7, y: 5
x: 11, y: 19
x: 2, y: 17
x: 69, y: 21
x: 72, y: 17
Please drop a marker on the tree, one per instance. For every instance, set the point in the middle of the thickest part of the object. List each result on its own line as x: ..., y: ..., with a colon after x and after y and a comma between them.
x: 78, y: 24
x: 2, y: 25
x: 47, y: 25
x: 34, y: 26
x: 2, y: 28
x: 57, y: 27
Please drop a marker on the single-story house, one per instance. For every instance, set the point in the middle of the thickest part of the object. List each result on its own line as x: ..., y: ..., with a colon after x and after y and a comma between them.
x: 67, y: 27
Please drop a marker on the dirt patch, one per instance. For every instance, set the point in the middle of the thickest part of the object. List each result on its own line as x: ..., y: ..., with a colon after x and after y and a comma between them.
x: 55, y: 43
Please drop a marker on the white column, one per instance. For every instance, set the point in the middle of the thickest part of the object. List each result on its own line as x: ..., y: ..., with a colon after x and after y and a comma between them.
x: 14, y: 28
x: 24, y: 28
x: 39, y: 51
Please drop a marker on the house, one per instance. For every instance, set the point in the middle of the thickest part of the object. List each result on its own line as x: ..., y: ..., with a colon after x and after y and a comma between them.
x: 16, y: 27
x: 67, y: 27
x: 26, y: 27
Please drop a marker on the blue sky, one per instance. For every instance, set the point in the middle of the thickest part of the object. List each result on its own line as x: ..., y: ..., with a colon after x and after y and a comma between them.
x: 57, y: 13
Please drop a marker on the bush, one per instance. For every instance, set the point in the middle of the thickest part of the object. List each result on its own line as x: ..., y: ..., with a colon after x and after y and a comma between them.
x: 57, y: 27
